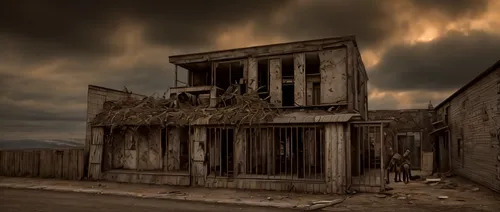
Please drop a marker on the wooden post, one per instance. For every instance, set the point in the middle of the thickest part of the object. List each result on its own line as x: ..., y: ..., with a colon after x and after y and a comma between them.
x: 175, y: 82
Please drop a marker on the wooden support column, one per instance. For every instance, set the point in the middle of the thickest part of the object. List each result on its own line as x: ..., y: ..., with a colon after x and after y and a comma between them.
x: 309, y: 92
x: 252, y: 83
x: 333, y: 76
x: 198, y: 169
x: 299, y: 78
x: 95, y: 157
x: 276, y: 82
x: 176, y: 72
x: 239, y: 152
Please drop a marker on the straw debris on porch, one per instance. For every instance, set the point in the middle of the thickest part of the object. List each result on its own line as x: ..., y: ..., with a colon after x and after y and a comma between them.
x: 184, y: 108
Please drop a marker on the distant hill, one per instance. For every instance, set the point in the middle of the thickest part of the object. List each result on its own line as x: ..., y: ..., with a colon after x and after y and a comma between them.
x: 41, y: 143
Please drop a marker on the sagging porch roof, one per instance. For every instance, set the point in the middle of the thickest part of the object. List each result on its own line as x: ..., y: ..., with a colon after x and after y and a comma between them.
x: 296, y: 118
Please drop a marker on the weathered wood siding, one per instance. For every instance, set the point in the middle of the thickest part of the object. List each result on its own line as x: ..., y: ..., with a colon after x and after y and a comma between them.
x: 96, y: 97
x: 333, y: 71
x: 474, y: 118
x: 198, y: 168
x: 335, y: 147
x: 275, y: 82
x: 47, y: 163
x: 299, y: 78
x: 252, y: 71
x: 125, y: 176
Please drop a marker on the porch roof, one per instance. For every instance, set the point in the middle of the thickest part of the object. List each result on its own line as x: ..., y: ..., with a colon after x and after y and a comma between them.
x: 298, y: 117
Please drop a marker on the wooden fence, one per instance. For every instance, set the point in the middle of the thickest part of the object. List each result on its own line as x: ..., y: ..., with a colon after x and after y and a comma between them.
x: 48, y: 163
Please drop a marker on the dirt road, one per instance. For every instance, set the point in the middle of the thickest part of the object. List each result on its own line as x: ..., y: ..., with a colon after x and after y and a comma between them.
x: 19, y: 200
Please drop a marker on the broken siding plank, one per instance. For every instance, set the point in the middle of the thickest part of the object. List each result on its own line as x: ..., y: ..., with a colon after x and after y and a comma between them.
x: 252, y: 83
x: 299, y: 77
x: 276, y: 82
x: 333, y: 76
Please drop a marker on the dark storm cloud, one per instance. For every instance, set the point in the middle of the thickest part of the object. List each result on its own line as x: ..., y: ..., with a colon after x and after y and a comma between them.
x: 44, y: 28
x: 366, y: 19
x: 443, y: 64
x: 453, y: 8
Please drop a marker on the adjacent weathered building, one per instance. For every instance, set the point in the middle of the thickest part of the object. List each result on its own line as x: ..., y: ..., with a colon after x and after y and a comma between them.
x: 467, y: 130
x: 307, y: 129
x: 409, y: 129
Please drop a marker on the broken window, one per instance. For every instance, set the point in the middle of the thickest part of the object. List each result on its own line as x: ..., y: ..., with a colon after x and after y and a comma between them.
x: 220, y: 151
x: 263, y: 78
x: 285, y: 152
x: 176, y: 154
x: 228, y: 73
x: 313, y: 78
x: 183, y: 76
x: 287, y: 70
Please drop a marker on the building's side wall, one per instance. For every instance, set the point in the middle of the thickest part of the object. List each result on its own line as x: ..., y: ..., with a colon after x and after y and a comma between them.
x: 360, y: 82
x: 474, y: 123
x: 96, y: 97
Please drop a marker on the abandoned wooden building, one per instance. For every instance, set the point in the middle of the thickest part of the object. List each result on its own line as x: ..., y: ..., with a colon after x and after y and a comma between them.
x: 467, y: 130
x: 290, y: 116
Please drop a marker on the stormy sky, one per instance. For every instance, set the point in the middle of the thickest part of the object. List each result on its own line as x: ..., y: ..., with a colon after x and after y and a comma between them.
x: 414, y: 50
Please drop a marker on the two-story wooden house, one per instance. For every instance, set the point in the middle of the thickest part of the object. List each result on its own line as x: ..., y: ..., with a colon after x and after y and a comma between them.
x: 321, y: 140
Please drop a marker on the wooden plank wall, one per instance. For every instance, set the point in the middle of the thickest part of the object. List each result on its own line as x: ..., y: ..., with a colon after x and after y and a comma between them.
x: 47, y: 163
x: 333, y: 76
x: 275, y: 82
x: 299, y: 75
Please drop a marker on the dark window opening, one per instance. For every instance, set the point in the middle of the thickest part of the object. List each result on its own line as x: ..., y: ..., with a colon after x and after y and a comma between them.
x: 312, y: 64
x: 288, y: 94
x: 198, y: 74
x: 220, y: 151
x: 263, y: 78
x: 285, y: 152
x: 316, y: 93
x: 459, y: 148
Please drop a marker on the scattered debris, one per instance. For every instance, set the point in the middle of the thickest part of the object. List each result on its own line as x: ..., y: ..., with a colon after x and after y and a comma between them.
x: 442, y: 197
x: 401, y: 198
x: 432, y: 180
x: 380, y: 195
x: 324, y: 204
x: 475, y: 189
x: 269, y: 198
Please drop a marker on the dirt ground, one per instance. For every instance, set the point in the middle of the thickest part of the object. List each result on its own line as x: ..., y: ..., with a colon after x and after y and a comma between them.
x: 450, y: 194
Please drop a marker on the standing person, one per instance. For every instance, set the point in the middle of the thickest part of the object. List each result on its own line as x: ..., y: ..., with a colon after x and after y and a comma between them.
x: 393, y: 164
x: 406, y: 160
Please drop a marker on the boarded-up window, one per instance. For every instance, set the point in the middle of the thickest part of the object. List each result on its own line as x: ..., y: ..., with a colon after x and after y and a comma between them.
x: 176, y: 156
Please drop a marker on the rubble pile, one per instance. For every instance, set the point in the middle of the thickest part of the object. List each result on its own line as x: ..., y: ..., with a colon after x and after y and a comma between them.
x: 233, y: 108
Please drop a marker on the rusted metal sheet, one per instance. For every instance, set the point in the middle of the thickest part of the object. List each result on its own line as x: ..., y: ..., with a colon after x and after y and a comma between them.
x: 276, y: 81
x: 333, y: 76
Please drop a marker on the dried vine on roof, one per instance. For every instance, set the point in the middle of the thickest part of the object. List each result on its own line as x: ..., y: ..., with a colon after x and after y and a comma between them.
x: 233, y: 108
